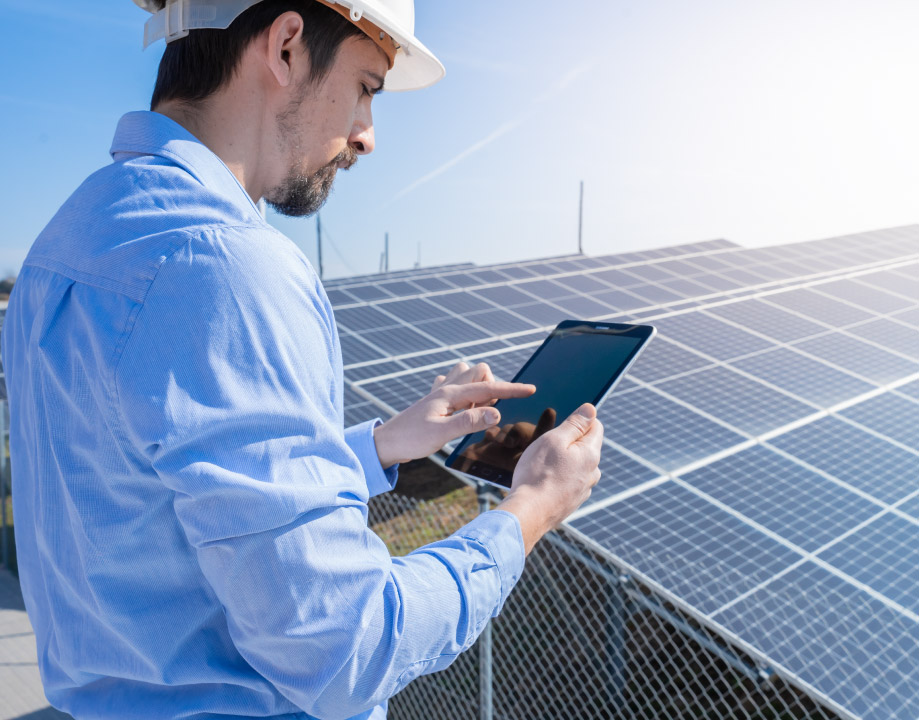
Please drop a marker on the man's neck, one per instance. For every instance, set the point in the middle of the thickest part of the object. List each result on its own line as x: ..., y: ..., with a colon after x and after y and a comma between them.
x: 231, y: 130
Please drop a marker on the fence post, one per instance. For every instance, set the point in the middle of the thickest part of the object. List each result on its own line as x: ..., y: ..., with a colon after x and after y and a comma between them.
x: 617, y: 616
x: 486, y: 699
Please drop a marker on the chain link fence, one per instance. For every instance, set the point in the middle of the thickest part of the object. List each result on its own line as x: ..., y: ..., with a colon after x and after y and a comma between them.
x: 579, y: 639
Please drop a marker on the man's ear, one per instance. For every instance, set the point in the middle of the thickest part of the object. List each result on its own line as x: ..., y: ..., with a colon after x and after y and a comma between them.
x: 285, y: 47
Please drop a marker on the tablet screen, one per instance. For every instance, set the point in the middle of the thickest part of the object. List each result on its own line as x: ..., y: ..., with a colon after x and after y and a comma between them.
x: 579, y: 362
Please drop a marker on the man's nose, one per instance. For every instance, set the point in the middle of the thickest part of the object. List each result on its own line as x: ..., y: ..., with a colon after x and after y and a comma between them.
x: 361, y: 138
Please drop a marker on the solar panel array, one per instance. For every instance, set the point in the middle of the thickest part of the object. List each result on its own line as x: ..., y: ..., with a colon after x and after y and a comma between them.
x: 761, y: 467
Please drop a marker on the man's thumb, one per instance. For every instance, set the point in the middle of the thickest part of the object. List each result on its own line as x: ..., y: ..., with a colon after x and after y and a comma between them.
x: 579, y: 421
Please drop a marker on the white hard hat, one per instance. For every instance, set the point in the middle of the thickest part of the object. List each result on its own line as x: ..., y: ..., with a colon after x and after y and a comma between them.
x: 413, y: 67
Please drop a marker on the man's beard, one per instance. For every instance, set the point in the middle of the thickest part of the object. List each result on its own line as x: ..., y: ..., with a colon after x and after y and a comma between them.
x: 302, y: 194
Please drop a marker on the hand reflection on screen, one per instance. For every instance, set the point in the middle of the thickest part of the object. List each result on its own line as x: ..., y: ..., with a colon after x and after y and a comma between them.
x: 502, y: 447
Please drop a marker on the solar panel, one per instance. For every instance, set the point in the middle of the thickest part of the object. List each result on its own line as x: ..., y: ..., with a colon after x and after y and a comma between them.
x: 662, y: 359
x: 711, y: 336
x: 864, y: 296
x: 768, y: 320
x: 803, y: 376
x: 740, y: 402
x: 827, y: 310
x: 837, y: 638
x: 662, y: 432
x: 884, y: 555
x: 800, y: 505
x: 889, y: 334
x: 856, y: 356
x: 690, y: 546
x: 890, y: 415
x: 761, y: 461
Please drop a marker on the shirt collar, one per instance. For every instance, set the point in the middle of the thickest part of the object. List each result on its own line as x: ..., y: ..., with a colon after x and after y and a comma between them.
x: 150, y: 133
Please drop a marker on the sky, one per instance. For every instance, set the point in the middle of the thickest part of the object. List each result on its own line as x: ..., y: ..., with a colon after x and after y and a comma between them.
x: 758, y: 122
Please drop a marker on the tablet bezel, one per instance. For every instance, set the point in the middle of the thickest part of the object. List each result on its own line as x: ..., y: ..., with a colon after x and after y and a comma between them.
x: 501, y: 477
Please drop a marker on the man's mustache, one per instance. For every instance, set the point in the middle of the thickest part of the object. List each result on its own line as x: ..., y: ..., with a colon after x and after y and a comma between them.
x: 345, y: 159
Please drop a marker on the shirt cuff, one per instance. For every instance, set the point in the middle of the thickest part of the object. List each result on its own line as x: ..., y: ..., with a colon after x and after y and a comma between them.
x: 360, y: 440
x: 499, y: 531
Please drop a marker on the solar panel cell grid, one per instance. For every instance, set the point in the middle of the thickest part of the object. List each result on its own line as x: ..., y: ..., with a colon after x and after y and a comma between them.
x: 583, y: 308
x: 542, y: 314
x: 355, y: 350
x: 688, y: 545
x: 412, y: 310
x: 745, y: 404
x: 369, y: 291
x: 819, y: 307
x: 911, y: 317
x: 795, y: 503
x: 837, y: 638
x: 890, y: 334
x: 504, y: 296
x: 665, y: 434
x: 363, y: 317
x: 355, y: 374
x: 500, y: 322
x: 893, y: 282
x: 619, y: 300
x: 711, y: 336
x: 863, y: 295
x: 451, y: 331
x: 892, y: 415
x: 910, y: 389
x: 803, y: 376
x: 662, y: 359
x: 686, y: 288
x: 856, y: 356
x: 655, y: 294
x: 400, y: 340
x: 883, y: 555
x: 585, y: 284
x: 716, y: 281
x: 910, y: 507
x: 460, y: 302
x: 432, y: 284
x: 767, y: 320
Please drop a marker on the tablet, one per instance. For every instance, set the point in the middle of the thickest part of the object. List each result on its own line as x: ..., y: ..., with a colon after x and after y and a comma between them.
x: 580, y: 361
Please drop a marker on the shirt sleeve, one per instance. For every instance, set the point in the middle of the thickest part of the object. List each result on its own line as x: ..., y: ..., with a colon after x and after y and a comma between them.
x: 360, y: 440
x: 227, y: 386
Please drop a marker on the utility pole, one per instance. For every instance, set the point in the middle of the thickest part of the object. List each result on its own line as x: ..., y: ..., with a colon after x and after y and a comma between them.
x: 319, y: 243
x: 580, y: 218
x: 386, y: 252
x: 418, y: 259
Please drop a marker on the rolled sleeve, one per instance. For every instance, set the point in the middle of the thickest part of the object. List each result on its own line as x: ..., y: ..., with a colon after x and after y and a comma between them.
x: 360, y: 439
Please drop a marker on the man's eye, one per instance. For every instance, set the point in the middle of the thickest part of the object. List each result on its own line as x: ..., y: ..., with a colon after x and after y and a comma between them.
x: 367, y: 90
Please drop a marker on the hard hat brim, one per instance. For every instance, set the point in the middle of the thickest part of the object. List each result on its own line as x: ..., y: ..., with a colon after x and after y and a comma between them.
x: 415, y: 67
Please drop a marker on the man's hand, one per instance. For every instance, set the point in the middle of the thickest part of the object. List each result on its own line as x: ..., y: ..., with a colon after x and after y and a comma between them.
x: 459, y: 403
x: 555, y: 474
x: 502, y: 447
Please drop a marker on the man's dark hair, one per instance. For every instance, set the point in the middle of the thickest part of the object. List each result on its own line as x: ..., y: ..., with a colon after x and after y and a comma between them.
x: 196, y: 66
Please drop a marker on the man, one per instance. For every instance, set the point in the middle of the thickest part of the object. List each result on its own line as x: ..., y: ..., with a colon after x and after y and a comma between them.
x: 190, y: 512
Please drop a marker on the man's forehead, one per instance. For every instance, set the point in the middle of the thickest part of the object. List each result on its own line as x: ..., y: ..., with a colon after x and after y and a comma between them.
x: 367, y: 57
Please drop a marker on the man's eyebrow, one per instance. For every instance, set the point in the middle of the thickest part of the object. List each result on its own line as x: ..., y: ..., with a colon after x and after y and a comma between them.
x: 378, y: 79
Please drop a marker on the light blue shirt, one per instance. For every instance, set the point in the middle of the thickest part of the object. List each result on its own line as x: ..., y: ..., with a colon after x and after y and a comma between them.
x: 191, y: 515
